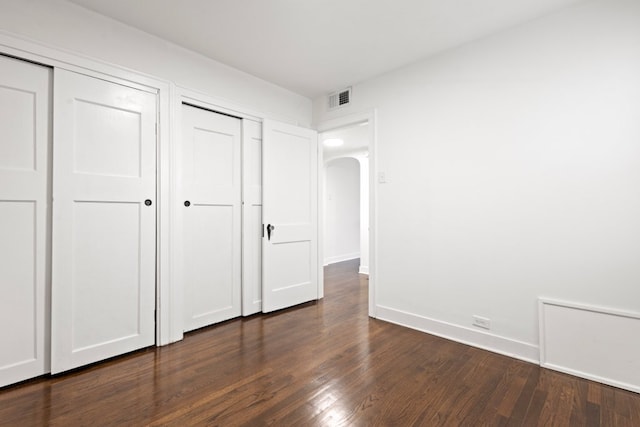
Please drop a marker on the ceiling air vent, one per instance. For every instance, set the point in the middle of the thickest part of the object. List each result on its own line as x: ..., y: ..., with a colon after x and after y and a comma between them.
x: 340, y: 98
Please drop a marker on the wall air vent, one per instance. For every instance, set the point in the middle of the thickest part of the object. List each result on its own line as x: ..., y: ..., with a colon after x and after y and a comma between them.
x: 340, y: 99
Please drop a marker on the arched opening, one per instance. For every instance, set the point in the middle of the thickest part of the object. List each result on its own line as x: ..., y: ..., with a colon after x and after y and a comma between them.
x: 346, y: 195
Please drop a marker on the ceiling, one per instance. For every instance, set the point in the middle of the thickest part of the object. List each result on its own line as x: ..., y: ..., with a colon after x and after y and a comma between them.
x: 355, y: 137
x: 313, y: 47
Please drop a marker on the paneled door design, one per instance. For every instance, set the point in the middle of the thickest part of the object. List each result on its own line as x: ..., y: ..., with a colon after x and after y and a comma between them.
x: 24, y: 150
x: 104, y: 220
x: 210, y: 194
x: 251, y: 217
x: 290, y: 215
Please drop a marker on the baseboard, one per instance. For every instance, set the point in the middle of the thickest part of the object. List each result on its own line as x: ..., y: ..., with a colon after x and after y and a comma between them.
x: 486, y: 341
x: 364, y: 269
x: 340, y: 258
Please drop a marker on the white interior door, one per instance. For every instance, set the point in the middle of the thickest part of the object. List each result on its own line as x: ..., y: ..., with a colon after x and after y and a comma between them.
x: 290, y: 215
x: 251, y: 217
x: 24, y: 145
x: 104, y: 220
x: 210, y: 193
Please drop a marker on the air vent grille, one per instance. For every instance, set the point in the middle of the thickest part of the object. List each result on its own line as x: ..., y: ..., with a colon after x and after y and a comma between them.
x: 340, y: 98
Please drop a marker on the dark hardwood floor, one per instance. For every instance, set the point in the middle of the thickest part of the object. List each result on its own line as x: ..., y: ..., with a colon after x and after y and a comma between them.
x: 322, y: 364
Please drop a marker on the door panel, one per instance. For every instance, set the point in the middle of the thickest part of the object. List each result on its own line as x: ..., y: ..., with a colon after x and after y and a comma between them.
x: 104, y: 149
x: 24, y: 230
x: 210, y: 176
x: 290, y: 206
x: 207, y: 264
x: 117, y: 227
x: 104, y: 243
x: 251, y: 217
x: 18, y: 148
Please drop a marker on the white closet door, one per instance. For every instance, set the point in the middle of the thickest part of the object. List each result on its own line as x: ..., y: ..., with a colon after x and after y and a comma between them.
x: 251, y: 217
x: 104, y: 220
x: 210, y: 190
x: 290, y: 215
x: 24, y: 144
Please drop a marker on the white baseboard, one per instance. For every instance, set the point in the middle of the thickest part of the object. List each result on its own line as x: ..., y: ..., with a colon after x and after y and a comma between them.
x: 486, y: 341
x: 364, y: 269
x: 340, y: 258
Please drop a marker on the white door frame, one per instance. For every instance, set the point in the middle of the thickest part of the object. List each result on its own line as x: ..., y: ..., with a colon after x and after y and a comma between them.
x: 345, y: 121
x: 57, y: 58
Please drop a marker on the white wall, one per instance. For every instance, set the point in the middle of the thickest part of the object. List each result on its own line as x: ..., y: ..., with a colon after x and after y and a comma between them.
x: 342, y: 210
x: 65, y: 25
x: 513, y: 169
x: 364, y: 214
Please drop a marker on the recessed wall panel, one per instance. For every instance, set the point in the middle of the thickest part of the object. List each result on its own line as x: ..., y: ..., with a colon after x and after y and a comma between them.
x: 597, y: 343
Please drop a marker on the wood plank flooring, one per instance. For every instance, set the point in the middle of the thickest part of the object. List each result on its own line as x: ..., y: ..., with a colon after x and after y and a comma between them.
x: 319, y: 364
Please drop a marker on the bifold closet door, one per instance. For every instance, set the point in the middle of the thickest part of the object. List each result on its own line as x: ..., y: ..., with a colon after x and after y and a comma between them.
x: 210, y: 216
x: 104, y: 220
x: 24, y: 151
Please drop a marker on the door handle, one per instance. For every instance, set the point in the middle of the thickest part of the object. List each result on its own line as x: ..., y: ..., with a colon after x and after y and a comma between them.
x: 269, y: 230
